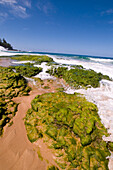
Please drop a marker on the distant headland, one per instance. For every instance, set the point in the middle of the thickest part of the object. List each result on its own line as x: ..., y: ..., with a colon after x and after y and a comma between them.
x: 6, y: 45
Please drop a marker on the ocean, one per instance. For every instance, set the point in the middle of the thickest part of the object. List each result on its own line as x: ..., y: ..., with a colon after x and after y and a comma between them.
x: 96, y: 63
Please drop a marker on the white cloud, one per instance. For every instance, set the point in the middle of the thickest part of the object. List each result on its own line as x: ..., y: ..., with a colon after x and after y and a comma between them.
x: 27, y: 3
x: 45, y: 6
x: 107, y: 12
x: 8, y: 2
x: 20, y: 11
x: 16, y: 8
x: 3, y: 16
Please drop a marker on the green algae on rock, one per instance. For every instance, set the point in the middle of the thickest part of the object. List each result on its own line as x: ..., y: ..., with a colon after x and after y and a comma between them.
x: 11, y: 85
x: 71, y: 127
x: 38, y: 59
x: 110, y: 146
x: 27, y: 71
x: 52, y: 168
x: 78, y: 76
x: 7, y: 112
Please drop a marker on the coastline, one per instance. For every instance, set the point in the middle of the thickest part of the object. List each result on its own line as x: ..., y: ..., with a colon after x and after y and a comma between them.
x: 14, y: 133
x: 21, y: 154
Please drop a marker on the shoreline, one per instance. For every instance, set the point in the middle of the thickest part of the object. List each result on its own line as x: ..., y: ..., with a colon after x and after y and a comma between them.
x: 20, y: 151
x: 13, y: 132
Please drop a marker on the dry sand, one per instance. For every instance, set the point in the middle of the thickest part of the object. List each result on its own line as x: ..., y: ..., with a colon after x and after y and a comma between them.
x: 16, y: 151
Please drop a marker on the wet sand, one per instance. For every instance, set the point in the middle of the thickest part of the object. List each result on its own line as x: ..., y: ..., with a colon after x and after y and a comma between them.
x: 5, y: 62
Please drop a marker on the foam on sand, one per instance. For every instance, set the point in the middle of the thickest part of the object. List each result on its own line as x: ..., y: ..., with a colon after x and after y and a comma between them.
x: 43, y: 75
x: 22, y: 62
x: 30, y: 79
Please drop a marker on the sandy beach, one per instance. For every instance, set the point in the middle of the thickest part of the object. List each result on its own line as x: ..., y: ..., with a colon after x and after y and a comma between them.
x: 56, y: 85
x: 16, y: 151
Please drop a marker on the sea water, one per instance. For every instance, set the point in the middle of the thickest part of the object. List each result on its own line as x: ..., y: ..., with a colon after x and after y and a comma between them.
x: 98, y: 64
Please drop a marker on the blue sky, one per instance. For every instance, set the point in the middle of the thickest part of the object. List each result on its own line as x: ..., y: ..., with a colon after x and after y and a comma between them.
x: 65, y: 26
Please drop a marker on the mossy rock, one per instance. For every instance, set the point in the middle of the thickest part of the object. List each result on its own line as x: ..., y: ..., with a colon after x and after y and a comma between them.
x: 52, y: 168
x: 86, y: 140
x: 11, y: 85
x: 78, y: 76
x: 70, y: 125
x: 36, y: 58
x: 52, y: 132
x: 35, y: 105
x: 27, y: 71
x: 110, y: 146
x: 33, y: 133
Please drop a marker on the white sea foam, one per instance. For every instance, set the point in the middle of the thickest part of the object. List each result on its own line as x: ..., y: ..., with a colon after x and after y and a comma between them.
x: 43, y: 75
x: 102, y: 60
x: 5, y: 52
x: 22, y: 62
x: 30, y: 79
x: 98, y: 67
x: 11, y: 53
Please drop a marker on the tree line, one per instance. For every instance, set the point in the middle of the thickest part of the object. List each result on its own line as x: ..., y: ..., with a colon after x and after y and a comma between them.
x: 5, y: 44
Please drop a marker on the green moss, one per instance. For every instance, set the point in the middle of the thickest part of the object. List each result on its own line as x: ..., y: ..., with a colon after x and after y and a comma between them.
x: 39, y: 154
x: 52, y: 132
x: 10, y: 123
x: 85, y: 140
x: 110, y: 146
x: 78, y: 76
x: 46, y: 87
x: 38, y: 80
x: 61, y: 89
x: 38, y: 59
x: 27, y: 71
x: 52, y: 168
x: 11, y: 85
x: 36, y: 104
x: 71, y: 127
